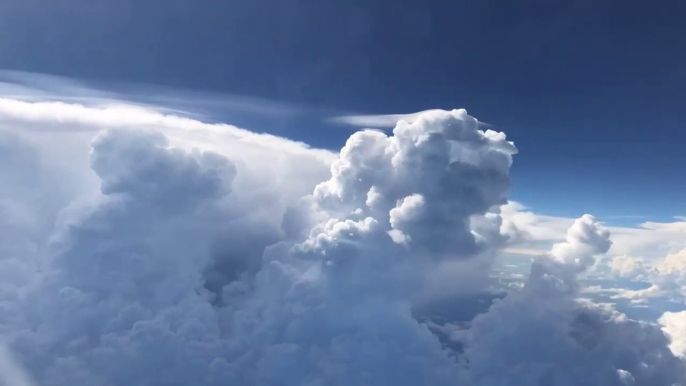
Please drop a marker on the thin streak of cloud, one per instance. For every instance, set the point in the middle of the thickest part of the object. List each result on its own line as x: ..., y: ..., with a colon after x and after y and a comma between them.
x: 621, y: 217
x: 34, y: 87
x: 382, y: 120
x: 529, y: 252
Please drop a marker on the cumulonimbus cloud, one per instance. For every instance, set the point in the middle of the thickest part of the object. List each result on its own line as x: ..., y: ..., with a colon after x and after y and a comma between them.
x: 184, y: 253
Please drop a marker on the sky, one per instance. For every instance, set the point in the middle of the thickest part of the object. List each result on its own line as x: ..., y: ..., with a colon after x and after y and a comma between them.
x: 281, y: 192
x: 590, y: 90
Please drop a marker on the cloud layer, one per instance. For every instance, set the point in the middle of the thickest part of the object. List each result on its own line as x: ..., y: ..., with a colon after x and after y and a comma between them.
x: 175, y: 252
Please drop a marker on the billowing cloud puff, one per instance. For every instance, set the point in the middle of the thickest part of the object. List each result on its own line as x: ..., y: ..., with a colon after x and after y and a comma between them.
x: 208, y: 255
x: 532, y: 234
x: 123, y: 277
x: 546, y: 335
x: 126, y: 292
x: 353, y: 278
x: 427, y: 179
x: 674, y: 325
x: 667, y: 277
x: 627, y: 266
x: 159, y: 234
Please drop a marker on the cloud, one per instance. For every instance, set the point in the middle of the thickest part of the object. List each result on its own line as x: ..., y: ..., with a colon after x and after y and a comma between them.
x: 523, y: 225
x: 363, y: 274
x: 68, y: 117
x: 184, y: 253
x: 545, y: 335
x: 674, y: 325
x: 127, y: 274
x: 436, y: 172
x: 634, y: 273
x: 142, y: 273
x: 536, y: 233
x: 667, y: 277
x: 11, y: 373
x: 384, y: 120
x: 47, y: 154
x: 37, y: 87
x: 627, y: 266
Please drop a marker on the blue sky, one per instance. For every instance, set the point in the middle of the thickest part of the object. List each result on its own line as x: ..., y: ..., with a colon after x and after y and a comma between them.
x: 590, y: 91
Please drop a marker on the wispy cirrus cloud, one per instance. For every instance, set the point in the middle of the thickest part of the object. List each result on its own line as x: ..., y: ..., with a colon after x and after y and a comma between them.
x: 36, y: 87
x: 383, y: 120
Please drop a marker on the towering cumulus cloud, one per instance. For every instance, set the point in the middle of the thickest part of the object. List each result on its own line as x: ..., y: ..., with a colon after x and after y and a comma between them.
x: 204, y: 259
x: 545, y: 335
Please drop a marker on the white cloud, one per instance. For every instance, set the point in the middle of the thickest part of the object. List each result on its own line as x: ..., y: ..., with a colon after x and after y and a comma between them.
x: 535, y: 233
x: 182, y: 131
x: 36, y: 87
x: 176, y: 252
x: 45, y: 153
x: 377, y: 121
x: 674, y: 325
x: 142, y: 274
x: 546, y: 335
x: 650, y: 240
x: 627, y: 266
x: 384, y: 120
x: 146, y: 260
x: 667, y: 277
x: 637, y: 256
x: 625, y: 377
x: 523, y: 225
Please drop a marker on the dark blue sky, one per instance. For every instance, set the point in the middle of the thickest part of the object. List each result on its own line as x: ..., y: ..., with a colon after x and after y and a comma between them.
x: 592, y: 92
